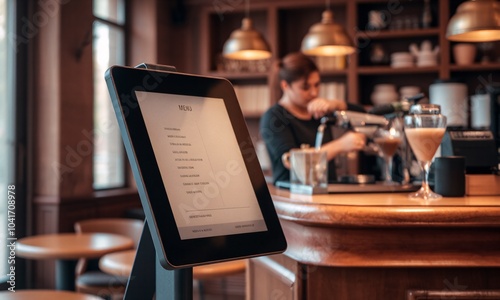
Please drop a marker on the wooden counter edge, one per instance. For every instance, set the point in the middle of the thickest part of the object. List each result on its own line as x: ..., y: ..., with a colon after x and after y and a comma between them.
x: 357, y: 215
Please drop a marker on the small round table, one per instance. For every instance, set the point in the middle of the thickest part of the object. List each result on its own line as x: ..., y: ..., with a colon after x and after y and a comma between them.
x: 45, y: 295
x: 67, y: 248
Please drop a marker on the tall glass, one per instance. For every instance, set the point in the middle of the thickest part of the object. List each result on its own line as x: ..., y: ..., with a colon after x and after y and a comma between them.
x: 424, y: 133
x: 388, y: 141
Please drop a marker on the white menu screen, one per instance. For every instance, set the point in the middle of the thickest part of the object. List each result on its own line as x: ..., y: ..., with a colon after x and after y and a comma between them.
x: 201, y: 165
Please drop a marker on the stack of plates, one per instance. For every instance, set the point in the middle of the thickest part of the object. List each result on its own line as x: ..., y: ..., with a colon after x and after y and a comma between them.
x: 402, y: 60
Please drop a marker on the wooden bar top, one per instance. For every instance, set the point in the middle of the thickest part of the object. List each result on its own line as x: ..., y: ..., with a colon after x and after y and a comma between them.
x: 388, y: 229
x: 385, y: 210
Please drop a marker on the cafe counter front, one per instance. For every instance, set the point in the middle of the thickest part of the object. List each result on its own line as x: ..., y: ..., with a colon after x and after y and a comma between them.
x: 381, y: 246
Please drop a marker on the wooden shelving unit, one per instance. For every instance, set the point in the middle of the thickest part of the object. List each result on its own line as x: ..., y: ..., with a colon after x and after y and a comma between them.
x: 383, y: 70
x: 492, y: 66
x: 285, y: 23
x: 394, y: 34
x: 334, y: 73
x: 240, y: 76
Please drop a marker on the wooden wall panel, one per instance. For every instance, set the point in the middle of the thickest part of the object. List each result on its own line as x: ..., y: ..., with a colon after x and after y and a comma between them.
x: 394, y: 283
x: 64, y: 100
x: 46, y: 93
x: 273, y: 277
x: 142, y: 35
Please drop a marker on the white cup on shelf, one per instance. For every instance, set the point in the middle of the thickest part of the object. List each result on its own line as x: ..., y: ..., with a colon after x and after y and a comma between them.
x: 480, y: 111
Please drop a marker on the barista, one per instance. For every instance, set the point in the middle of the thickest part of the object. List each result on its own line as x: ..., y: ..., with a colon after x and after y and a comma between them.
x: 294, y: 120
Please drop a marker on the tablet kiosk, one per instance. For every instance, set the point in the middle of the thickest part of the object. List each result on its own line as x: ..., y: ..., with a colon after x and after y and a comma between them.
x: 200, y: 183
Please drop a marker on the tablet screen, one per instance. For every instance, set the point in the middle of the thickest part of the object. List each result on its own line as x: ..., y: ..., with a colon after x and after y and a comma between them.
x: 201, y: 165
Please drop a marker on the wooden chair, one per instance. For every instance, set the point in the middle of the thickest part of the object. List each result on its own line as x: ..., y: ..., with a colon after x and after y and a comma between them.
x: 89, y: 279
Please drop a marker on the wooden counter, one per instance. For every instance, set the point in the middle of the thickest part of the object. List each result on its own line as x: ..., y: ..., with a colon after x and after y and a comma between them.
x: 381, y: 246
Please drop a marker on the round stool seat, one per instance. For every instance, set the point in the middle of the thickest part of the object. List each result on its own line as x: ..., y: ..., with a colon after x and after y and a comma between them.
x: 120, y: 263
x: 219, y: 269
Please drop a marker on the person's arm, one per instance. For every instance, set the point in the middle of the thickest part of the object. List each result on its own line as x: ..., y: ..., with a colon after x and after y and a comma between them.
x: 320, y: 106
x: 349, y: 141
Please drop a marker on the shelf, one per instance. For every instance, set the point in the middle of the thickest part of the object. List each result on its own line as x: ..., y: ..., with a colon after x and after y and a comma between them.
x: 494, y: 66
x: 371, y: 1
x: 240, y: 76
x: 331, y: 73
x: 386, y: 70
x: 391, y: 34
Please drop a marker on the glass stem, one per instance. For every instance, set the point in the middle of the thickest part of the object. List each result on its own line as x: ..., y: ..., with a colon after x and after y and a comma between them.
x: 388, y: 168
x: 425, y: 181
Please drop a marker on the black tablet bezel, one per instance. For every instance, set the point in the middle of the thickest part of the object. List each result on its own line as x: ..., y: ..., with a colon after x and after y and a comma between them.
x: 172, y: 251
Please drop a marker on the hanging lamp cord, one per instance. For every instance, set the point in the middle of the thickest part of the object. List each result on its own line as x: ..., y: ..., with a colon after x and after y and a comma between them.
x: 247, y: 8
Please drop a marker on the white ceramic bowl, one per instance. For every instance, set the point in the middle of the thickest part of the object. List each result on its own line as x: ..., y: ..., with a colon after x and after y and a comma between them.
x: 401, y: 56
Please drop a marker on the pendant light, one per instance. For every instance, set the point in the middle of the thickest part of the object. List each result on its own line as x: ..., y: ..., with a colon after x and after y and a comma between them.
x: 327, y: 38
x: 246, y: 43
x: 475, y: 21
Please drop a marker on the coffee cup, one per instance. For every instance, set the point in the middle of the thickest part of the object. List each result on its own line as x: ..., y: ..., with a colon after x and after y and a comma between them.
x: 308, y: 166
x: 449, y: 176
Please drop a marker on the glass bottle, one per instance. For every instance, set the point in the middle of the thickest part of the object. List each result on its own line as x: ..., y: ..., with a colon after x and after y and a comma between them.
x: 427, y: 15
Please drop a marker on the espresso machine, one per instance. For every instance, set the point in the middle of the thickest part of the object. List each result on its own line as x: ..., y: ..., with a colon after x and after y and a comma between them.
x: 350, y: 120
x: 350, y: 165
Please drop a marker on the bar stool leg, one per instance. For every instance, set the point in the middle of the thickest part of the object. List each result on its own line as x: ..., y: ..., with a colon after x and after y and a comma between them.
x: 65, y: 274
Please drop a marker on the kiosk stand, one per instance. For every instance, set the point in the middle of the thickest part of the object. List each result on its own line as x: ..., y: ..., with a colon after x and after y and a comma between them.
x: 194, y: 195
x: 149, y: 277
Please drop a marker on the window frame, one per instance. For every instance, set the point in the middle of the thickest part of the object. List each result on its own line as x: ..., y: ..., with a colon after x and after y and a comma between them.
x: 19, y: 56
x: 127, y: 182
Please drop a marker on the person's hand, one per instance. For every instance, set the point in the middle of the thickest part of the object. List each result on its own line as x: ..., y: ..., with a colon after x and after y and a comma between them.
x: 352, y: 141
x: 319, y: 107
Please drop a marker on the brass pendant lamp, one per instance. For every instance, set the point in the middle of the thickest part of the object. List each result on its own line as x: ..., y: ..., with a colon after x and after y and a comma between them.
x: 246, y: 43
x: 475, y: 21
x: 327, y: 38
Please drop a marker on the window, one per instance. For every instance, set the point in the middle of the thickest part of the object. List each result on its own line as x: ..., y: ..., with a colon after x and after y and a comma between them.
x: 7, y: 128
x: 108, y: 49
